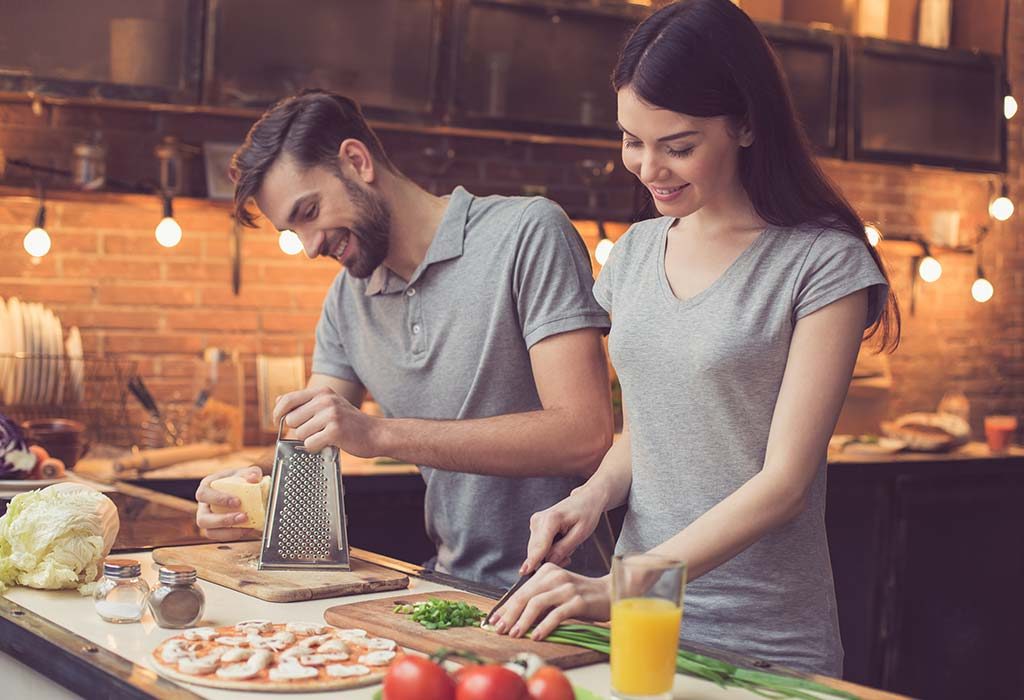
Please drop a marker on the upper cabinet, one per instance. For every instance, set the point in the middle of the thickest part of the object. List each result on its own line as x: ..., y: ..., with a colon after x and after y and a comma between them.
x: 542, y: 66
x: 116, y: 49
x: 381, y: 53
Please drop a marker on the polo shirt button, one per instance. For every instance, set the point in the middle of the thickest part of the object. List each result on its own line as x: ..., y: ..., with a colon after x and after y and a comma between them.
x: 410, y: 291
x: 416, y: 329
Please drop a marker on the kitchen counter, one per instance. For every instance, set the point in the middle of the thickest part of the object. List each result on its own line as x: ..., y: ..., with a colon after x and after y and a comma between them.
x: 59, y: 634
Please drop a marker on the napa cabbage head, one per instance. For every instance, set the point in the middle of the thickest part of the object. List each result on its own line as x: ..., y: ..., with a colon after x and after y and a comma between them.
x: 56, y: 537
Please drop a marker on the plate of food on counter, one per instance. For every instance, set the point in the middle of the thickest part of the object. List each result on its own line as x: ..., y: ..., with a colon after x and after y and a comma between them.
x: 867, y: 445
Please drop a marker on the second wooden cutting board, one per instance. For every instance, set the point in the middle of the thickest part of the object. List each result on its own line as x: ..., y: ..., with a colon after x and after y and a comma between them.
x: 234, y: 565
x: 378, y: 618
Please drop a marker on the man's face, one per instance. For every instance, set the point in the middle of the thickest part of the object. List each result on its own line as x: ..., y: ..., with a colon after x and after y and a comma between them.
x: 332, y: 215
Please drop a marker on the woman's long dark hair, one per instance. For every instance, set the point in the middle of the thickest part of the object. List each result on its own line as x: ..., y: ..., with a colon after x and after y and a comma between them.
x: 706, y: 58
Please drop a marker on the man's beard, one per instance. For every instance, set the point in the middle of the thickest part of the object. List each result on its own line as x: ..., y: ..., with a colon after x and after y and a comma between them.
x: 372, y: 228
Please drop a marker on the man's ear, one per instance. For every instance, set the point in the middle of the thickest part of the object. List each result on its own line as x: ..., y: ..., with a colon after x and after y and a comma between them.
x: 353, y: 153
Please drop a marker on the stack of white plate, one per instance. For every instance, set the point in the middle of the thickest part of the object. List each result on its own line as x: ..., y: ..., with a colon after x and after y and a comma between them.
x: 37, y: 366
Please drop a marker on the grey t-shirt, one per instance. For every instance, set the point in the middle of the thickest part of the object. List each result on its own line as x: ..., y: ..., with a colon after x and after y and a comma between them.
x: 700, y: 378
x: 501, y: 274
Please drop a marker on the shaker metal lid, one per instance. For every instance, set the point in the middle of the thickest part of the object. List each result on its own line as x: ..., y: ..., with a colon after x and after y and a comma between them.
x: 121, y: 568
x: 177, y: 574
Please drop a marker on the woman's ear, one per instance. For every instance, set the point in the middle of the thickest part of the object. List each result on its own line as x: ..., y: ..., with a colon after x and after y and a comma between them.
x: 746, y: 136
x: 353, y: 153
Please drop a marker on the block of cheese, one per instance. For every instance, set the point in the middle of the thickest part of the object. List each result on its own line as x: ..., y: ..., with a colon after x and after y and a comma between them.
x: 253, y: 498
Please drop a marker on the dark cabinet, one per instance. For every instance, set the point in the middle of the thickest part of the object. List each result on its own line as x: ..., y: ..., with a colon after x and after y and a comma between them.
x: 928, y: 561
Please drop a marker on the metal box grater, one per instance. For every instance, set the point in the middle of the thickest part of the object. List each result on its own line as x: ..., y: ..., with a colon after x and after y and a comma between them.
x: 306, y: 527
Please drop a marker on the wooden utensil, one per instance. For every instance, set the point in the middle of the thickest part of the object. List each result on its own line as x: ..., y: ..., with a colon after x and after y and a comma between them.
x: 378, y: 618
x: 234, y: 565
x: 166, y: 456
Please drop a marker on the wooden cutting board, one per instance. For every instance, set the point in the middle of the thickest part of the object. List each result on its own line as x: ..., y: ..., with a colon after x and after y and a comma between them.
x: 234, y: 565
x: 377, y: 618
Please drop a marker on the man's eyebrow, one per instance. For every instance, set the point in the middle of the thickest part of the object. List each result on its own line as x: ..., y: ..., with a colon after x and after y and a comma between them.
x: 670, y: 137
x: 298, y: 205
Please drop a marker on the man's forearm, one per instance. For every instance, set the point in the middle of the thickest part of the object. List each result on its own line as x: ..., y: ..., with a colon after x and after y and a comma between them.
x: 538, y: 443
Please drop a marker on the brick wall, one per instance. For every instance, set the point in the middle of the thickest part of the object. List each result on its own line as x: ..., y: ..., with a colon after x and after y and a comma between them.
x: 107, y: 275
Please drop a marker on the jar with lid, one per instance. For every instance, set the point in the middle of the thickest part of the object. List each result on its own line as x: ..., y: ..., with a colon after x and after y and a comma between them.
x: 122, y: 592
x: 178, y: 601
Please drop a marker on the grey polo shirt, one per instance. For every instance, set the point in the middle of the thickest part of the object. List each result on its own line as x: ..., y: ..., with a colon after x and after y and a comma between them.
x: 452, y: 342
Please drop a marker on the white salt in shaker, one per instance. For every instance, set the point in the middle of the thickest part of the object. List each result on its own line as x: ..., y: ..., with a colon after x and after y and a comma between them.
x: 122, y: 592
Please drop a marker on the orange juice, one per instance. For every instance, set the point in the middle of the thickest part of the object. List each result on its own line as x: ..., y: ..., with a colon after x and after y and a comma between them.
x: 645, y: 638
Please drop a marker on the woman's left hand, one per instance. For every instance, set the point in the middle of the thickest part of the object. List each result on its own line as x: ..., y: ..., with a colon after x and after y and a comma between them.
x: 550, y: 597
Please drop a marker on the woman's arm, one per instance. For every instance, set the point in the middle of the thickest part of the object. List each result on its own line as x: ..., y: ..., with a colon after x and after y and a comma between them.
x: 822, y: 354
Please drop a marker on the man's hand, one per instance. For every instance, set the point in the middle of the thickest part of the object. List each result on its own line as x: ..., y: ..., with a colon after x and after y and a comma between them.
x: 320, y: 417
x: 223, y: 526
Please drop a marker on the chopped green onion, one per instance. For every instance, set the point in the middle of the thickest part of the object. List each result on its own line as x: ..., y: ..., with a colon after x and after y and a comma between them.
x: 437, y: 614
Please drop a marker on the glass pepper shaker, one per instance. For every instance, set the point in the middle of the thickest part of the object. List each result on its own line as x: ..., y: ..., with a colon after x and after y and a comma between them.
x: 178, y: 601
x: 122, y: 592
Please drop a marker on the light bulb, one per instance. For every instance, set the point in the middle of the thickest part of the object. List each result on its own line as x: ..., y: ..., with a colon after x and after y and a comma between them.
x: 289, y: 242
x: 168, y: 232
x: 873, y: 234
x: 1009, y: 106
x: 1001, y: 208
x: 982, y: 290
x: 930, y: 269
x: 37, y: 242
x: 603, y: 250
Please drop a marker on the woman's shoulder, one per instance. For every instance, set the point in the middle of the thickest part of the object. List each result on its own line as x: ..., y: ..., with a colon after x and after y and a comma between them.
x: 644, y: 234
x: 817, y: 239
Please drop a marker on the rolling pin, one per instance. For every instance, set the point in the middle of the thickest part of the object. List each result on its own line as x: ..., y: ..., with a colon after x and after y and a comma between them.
x: 145, y: 460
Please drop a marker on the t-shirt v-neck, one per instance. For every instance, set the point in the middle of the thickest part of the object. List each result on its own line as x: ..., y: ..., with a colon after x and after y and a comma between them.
x: 739, y: 262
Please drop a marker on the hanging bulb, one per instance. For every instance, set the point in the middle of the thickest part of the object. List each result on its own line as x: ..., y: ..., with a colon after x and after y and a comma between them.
x: 982, y: 290
x: 1001, y: 207
x: 1009, y: 106
x: 873, y: 234
x: 289, y: 242
x: 930, y: 269
x: 603, y: 250
x: 37, y: 241
x: 168, y: 232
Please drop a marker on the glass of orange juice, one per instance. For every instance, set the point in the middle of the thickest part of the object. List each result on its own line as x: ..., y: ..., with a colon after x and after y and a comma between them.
x: 647, y: 609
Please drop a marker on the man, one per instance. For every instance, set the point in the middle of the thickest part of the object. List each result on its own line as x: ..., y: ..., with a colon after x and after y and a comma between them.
x: 469, y: 319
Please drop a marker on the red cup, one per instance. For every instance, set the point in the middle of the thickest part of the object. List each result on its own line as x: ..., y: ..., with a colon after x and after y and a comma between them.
x: 999, y: 432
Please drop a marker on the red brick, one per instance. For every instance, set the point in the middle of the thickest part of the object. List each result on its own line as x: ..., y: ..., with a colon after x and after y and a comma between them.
x: 110, y: 318
x: 144, y: 243
x: 106, y: 268
x: 256, y: 297
x: 147, y: 295
x: 213, y: 320
x: 51, y: 292
x: 176, y: 271
x: 152, y: 343
x: 289, y: 322
x: 17, y: 263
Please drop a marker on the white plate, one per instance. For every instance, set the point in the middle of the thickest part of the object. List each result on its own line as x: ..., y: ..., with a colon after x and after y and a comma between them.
x: 17, y: 328
x: 56, y: 352
x: 58, y: 341
x: 27, y: 484
x: 77, y: 366
x: 33, y: 342
x: 5, y: 349
x: 848, y: 446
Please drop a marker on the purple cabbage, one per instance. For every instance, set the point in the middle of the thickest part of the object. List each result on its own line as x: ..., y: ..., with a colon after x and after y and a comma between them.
x: 16, y: 461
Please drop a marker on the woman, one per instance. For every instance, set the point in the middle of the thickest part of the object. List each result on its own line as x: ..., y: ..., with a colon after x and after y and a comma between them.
x: 737, y: 316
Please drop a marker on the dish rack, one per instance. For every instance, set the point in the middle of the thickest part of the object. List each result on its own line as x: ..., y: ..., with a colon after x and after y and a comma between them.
x: 88, y: 389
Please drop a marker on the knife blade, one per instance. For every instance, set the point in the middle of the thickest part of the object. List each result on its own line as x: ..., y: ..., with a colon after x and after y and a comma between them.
x: 508, y: 594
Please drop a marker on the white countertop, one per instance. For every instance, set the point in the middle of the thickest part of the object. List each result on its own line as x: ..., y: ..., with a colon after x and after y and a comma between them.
x: 225, y: 606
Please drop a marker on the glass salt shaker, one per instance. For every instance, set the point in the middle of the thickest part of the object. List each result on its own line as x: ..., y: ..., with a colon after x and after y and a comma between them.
x: 122, y: 592
x: 178, y: 601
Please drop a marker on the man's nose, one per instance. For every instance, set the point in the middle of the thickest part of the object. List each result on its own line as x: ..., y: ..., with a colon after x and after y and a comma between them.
x: 311, y: 242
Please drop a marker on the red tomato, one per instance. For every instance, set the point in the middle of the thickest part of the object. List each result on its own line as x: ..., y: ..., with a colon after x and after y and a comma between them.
x: 490, y: 682
x: 417, y: 678
x: 549, y: 683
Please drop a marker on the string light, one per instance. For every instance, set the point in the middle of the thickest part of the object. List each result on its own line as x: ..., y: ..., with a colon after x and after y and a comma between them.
x: 929, y: 268
x: 1001, y: 208
x: 982, y: 290
x: 37, y: 241
x: 873, y: 234
x: 289, y: 242
x: 1009, y: 106
x: 604, y: 245
x: 168, y: 231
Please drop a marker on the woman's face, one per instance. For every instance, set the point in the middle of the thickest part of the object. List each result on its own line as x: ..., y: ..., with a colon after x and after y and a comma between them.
x: 685, y: 162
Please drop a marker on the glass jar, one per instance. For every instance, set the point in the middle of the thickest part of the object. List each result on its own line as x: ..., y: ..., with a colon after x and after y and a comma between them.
x: 121, y: 594
x: 178, y: 601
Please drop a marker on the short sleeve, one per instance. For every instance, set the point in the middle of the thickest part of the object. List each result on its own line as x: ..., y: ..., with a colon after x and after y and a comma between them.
x: 837, y: 265
x: 604, y: 283
x: 329, y: 356
x: 552, y: 279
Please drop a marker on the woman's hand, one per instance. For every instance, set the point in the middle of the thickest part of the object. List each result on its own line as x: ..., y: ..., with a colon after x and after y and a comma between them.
x: 552, y: 596
x: 319, y: 417
x: 223, y: 526
x: 574, y: 519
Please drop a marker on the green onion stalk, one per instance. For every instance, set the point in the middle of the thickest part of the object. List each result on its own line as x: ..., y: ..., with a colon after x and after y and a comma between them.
x: 766, y: 685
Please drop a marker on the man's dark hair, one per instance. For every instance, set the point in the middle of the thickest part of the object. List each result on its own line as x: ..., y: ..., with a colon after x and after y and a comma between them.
x: 308, y: 127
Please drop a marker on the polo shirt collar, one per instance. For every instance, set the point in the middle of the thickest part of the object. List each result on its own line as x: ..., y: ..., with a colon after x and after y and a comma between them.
x: 447, y: 244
